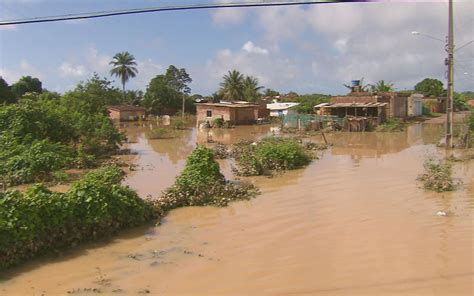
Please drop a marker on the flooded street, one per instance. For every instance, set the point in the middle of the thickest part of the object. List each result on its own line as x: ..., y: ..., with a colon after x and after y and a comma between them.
x: 354, y: 222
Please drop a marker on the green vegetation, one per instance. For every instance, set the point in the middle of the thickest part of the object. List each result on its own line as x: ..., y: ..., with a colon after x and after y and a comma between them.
x: 6, y: 95
x: 237, y: 87
x: 391, y: 125
x: 218, y: 122
x: 201, y: 183
x: 178, y: 123
x: 268, y: 155
x: 438, y: 176
x: 165, y: 93
x: 307, y: 102
x: 43, y: 133
x: 430, y: 87
x: 382, y: 86
x: 40, y: 221
x: 123, y: 67
x: 460, y: 102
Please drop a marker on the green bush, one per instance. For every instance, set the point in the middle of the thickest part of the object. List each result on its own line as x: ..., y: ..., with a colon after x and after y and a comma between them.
x: 40, y: 220
x: 270, y: 154
x: 426, y: 111
x: 218, y: 122
x: 201, y: 183
x: 437, y: 176
x: 391, y: 125
x: 25, y: 163
x: 178, y: 123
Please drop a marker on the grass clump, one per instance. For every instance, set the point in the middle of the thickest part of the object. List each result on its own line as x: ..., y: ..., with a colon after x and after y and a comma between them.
x: 391, y: 125
x: 40, y: 220
x: 437, y: 176
x: 201, y: 183
x: 268, y: 155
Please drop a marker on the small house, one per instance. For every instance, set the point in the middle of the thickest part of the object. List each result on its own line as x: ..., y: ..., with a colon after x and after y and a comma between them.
x: 235, y: 113
x: 126, y: 112
x: 282, y: 109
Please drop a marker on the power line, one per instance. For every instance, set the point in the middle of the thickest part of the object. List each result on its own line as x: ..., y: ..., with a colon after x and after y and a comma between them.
x: 99, y: 14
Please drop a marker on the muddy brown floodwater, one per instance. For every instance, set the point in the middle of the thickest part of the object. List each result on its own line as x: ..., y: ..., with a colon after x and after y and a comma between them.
x: 355, y: 222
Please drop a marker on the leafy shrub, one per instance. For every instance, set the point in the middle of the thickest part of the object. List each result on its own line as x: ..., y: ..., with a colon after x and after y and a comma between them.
x: 270, y: 154
x: 218, y: 122
x: 437, y: 176
x: 426, y: 111
x: 391, y: 125
x: 178, y: 123
x: 40, y: 220
x: 201, y: 183
x: 21, y: 163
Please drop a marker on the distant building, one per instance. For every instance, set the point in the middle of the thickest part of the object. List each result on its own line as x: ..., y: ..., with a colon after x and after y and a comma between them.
x: 126, y: 112
x: 282, y: 109
x: 235, y: 113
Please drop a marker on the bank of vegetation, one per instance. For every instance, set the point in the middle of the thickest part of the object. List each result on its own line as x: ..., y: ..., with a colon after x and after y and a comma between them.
x: 41, y: 135
x: 268, y: 155
x: 201, y: 183
x: 438, y: 176
x: 40, y: 220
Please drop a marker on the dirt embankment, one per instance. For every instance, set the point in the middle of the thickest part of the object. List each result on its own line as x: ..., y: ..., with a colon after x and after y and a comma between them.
x: 458, y: 117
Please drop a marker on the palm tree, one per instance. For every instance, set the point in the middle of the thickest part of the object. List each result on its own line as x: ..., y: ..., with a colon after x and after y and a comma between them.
x: 382, y: 86
x: 123, y: 67
x: 251, y: 88
x: 232, y: 88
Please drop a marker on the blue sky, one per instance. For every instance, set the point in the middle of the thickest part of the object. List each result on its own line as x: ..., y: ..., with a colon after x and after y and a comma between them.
x: 305, y: 49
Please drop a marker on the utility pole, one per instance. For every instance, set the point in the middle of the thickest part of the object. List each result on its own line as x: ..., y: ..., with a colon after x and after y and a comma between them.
x: 450, y: 64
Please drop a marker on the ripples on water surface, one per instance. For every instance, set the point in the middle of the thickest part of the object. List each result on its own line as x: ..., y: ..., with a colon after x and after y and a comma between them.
x: 354, y: 222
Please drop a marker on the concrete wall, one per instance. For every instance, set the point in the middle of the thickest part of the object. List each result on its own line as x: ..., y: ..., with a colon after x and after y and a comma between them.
x: 126, y: 115
x: 235, y: 115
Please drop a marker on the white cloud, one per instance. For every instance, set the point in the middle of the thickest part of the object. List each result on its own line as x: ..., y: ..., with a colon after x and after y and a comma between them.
x: 372, y: 40
x: 67, y: 69
x: 252, y: 48
x: 271, y: 69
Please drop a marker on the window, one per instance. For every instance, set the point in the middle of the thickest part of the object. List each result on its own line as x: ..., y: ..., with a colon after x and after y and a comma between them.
x: 209, y: 113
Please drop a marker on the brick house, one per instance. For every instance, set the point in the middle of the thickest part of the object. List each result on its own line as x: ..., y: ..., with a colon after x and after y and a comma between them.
x: 126, y: 112
x: 234, y: 113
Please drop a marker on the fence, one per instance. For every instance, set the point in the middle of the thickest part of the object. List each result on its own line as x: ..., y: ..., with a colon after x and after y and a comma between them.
x: 311, y: 121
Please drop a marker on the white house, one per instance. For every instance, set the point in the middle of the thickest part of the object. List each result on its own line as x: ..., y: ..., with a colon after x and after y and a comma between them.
x: 282, y: 109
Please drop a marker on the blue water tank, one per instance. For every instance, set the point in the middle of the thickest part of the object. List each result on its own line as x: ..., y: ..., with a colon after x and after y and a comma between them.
x: 355, y: 82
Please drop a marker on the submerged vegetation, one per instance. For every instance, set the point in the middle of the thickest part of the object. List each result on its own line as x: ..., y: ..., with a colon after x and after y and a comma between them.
x: 40, y: 220
x: 42, y: 134
x: 438, y: 176
x: 268, y: 155
x: 201, y: 183
x: 391, y: 125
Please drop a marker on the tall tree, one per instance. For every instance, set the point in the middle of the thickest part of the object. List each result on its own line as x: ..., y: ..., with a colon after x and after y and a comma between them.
x: 6, y: 96
x: 26, y: 84
x: 123, y: 67
x: 232, y: 88
x: 382, y: 86
x: 251, y: 88
x: 178, y: 80
x: 271, y: 92
x: 160, y: 97
x: 430, y: 87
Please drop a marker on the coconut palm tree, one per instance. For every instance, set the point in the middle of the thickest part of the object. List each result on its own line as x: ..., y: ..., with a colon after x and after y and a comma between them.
x: 123, y: 67
x: 382, y: 86
x: 251, y: 88
x: 232, y: 88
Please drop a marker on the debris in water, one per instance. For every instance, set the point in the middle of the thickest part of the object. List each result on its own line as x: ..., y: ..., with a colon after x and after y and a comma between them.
x: 441, y: 214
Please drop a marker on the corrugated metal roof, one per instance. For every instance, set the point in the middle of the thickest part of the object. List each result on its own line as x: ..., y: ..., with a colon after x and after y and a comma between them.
x: 352, y: 105
x: 281, y: 106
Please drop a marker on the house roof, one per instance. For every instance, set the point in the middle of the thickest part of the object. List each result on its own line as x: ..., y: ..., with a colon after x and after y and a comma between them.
x: 281, y: 106
x: 229, y: 105
x: 125, y: 108
x: 352, y: 105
